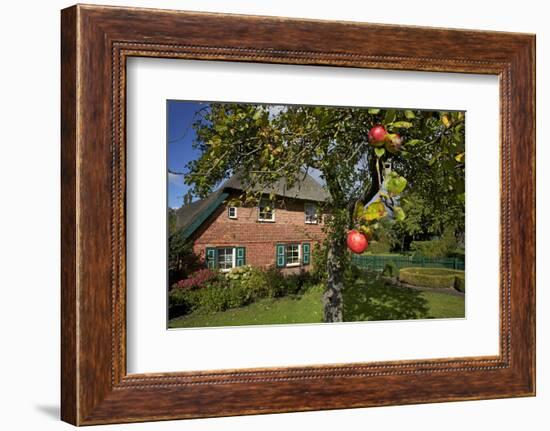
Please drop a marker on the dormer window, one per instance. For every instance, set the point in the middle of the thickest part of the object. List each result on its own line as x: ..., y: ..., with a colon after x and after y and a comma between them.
x: 266, y: 212
x: 232, y: 212
x: 310, y: 211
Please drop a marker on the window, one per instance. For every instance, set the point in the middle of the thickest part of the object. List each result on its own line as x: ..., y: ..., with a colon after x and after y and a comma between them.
x: 292, y: 254
x: 310, y: 211
x: 226, y: 258
x: 266, y: 211
x: 232, y: 212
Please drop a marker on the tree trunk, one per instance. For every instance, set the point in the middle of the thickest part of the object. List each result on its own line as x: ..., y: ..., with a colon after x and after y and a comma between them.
x: 332, y: 298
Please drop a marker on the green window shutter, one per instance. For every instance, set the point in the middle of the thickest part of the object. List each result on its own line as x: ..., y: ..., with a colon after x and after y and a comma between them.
x: 306, y: 253
x: 280, y: 255
x: 241, y: 256
x: 211, y: 257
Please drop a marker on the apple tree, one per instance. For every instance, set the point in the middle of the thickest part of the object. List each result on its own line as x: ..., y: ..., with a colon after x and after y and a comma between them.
x: 349, y: 148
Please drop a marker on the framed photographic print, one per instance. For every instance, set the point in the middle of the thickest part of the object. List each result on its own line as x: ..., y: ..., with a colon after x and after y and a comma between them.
x: 281, y: 215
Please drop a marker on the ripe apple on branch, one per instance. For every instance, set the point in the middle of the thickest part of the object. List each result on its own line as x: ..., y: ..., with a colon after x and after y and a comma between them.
x: 357, y: 241
x: 385, y: 202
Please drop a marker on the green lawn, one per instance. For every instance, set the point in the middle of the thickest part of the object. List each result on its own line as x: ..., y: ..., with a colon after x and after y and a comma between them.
x: 297, y: 309
x: 365, y: 300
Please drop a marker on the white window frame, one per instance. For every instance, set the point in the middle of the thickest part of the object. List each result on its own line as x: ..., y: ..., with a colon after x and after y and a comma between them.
x: 261, y: 204
x: 233, y: 258
x: 229, y: 212
x: 290, y: 265
x: 315, y: 216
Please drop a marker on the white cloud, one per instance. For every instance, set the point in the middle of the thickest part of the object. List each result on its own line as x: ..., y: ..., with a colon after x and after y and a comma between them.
x: 175, y: 179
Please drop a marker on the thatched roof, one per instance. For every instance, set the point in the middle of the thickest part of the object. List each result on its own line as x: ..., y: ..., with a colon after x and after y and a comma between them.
x: 306, y: 188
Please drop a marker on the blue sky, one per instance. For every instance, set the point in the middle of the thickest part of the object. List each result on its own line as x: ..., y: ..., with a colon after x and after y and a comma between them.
x: 180, y: 150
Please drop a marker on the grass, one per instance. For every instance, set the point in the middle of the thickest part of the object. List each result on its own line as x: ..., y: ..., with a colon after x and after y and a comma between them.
x: 371, y: 299
x: 364, y: 300
x: 443, y: 305
x: 306, y: 308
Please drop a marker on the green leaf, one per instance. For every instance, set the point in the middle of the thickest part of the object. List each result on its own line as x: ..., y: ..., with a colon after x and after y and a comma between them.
x: 459, y: 157
x: 402, y: 124
x: 409, y: 114
x: 414, y: 142
x: 216, y: 140
x: 359, y: 210
x: 395, y: 184
x: 399, y: 214
x: 257, y: 115
x: 379, y: 152
x: 374, y: 211
x: 366, y: 230
x: 374, y: 111
x: 389, y: 117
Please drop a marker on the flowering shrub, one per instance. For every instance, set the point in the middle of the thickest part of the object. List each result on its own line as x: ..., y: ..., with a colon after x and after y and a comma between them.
x: 208, y: 291
x: 198, y: 279
x: 240, y: 273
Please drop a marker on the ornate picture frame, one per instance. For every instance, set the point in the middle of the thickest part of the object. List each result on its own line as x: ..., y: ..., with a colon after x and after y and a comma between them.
x: 96, y: 41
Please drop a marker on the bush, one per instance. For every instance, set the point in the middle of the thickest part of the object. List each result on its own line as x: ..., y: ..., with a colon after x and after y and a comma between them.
x: 198, y: 279
x: 437, y: 247
x: 182, y: 261
x: 458, y: 253
x: 460, y: 283
x: 239, y: 273
x: 430, y: 277
x: 254, y: 280
x: 390, y: 270
x: 292, y: 284
x: 221, y: 298
x: 376, y: 247
x: 239, y: 287
x: 215, y: 297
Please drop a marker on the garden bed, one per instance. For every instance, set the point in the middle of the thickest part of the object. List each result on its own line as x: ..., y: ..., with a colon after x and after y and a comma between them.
x: 435, y: 278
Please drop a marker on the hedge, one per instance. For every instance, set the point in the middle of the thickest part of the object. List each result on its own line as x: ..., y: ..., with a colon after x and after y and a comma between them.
x: 210, y: 299
x: 430, y: 277
x: 460, y: 284
x: 440, y: 247
x: 377, y: 247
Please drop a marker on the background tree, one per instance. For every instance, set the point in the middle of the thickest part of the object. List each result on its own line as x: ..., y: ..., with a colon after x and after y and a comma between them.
x: 182, y: 261
x: 263, y: 144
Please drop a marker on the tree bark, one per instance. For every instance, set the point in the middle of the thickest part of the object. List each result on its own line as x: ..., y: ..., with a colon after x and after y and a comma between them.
x: 336, y: 260
x: 332, y: 298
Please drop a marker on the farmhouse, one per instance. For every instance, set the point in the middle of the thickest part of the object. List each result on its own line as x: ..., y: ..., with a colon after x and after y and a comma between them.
x: 281, y: 233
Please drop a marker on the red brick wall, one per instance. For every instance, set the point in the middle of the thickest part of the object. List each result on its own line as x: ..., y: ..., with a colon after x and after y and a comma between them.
x: 259, y: 238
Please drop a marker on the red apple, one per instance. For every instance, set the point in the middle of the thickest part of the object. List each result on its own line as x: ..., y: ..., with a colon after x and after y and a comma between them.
x: 377, y: 135
x: 357, y: 242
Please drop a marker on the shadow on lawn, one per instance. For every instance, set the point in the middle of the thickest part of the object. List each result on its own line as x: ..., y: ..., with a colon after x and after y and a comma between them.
x: 377, y: 301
